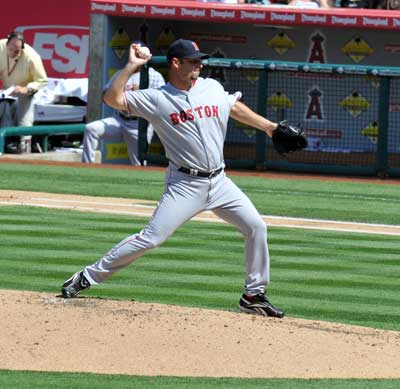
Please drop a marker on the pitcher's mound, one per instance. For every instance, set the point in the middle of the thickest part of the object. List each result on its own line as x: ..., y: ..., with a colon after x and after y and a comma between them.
x: 43, y: 332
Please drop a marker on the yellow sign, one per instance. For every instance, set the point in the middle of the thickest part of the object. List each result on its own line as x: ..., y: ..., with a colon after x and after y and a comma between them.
x: 165, y: 39
x: 120, y: 43
x: 116, y: 151
x: 279, y: 101
x: 374, y: 80
x: 247, y: 130
x: 355, y: 104
x: 371, y: 131
x: 111, y: 72
x: 357, y: 49
x: 281, y: 43
x: 252, y: 75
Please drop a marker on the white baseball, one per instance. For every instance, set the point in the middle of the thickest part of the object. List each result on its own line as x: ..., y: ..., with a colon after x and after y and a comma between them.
x: 143, y: 52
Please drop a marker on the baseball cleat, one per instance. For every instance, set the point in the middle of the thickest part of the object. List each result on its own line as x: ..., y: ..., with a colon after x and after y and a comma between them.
x: 259, y: 305
x: 72, y: 287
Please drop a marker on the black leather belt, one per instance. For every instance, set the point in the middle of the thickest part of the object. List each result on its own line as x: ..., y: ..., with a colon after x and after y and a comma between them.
x: 194, y: 172
x: 127, y: 117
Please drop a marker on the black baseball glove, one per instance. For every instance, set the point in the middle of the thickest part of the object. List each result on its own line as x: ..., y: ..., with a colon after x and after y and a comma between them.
x: 287, y: 138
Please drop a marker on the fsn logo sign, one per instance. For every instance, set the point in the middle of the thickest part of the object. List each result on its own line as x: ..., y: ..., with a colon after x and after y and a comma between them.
x: 64, y: 49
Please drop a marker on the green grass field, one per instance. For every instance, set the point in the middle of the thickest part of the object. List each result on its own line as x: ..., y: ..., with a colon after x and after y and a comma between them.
x: 359, y: 202
x: 339, y: 277
x: 38, y: 380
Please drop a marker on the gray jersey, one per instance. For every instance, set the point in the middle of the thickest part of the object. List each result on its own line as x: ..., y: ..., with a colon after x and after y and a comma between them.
x: 156, y: 80
x: 190, y: 124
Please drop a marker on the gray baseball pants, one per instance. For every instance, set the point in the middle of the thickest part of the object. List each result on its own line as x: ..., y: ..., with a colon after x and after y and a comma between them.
x: 186, y: 196
x: 108, y: 129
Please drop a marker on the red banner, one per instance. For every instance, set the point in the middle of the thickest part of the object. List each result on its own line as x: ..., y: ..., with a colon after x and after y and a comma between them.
x: 222, y: 12
x: 59, y: 33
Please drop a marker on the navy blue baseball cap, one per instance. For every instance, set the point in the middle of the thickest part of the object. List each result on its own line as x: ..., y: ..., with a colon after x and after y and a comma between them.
x: 183, y: 48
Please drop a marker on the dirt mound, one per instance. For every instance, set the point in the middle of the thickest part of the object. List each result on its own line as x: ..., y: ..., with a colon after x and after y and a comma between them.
x: 43, y: 332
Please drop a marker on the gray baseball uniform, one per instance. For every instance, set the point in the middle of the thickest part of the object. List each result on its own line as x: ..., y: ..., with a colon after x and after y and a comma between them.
x: 192, y: 127
x: 119, y: 126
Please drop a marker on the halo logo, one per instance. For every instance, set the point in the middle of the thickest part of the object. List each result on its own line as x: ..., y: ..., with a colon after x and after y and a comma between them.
x: 64, y: 49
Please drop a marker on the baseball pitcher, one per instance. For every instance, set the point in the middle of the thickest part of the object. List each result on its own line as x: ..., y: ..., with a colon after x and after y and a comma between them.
x: 190, y: 115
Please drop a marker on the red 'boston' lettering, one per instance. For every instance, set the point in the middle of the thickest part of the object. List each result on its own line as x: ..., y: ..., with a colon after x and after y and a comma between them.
x: 190, y: 115
x: 174, y: 118
x: 183, y: 116
x: 198, y: 110
x: 202, y: 112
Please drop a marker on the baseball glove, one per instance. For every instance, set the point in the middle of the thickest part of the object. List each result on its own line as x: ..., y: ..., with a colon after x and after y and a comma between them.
x: 287, y: 138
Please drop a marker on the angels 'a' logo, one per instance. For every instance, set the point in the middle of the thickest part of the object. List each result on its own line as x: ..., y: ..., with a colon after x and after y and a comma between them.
x: 314, y: 111
x: 317, y: 51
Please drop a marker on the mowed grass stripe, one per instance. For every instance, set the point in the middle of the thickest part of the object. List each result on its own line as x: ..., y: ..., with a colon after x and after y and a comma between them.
x: 202, y: 265
x: 34, y: 379
x: 331, y: 200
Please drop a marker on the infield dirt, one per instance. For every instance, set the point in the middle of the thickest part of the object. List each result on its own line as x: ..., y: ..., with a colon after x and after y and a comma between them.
x: 44, y: 332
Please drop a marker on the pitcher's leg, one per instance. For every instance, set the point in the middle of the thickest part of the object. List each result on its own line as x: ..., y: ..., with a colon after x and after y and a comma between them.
x: 235, y: 207
x: 175, y: 207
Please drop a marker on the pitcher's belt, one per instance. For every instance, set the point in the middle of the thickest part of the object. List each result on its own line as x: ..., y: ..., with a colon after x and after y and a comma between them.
x: 197, y: 173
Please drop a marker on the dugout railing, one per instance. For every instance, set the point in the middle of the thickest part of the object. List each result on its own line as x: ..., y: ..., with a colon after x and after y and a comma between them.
x: 44, y: 130
x: 350, y: 113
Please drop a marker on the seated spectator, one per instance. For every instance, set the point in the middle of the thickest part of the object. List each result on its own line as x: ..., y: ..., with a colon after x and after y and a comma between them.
x: 221, y: 1
x: 311, y: 4
x: 256, y: 2
x: 362, y: 3
x: 22, y: 69
x: 22, y: 73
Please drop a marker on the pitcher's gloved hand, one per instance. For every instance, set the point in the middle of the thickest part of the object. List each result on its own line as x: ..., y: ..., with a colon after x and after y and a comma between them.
x: 287, y: 138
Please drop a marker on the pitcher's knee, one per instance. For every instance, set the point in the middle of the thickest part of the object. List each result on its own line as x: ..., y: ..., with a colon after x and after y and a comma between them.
x: 153, y: 241
x: 257, y: 227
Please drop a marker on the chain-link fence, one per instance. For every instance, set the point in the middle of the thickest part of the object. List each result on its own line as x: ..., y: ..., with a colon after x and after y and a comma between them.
x: 350, y: 115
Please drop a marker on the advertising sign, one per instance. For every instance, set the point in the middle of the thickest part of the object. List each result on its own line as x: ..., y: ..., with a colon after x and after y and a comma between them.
x: 59, y: 33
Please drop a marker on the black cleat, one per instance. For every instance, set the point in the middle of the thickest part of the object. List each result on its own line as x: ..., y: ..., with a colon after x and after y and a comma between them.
x: 72, y: 287
x: 259, y: 305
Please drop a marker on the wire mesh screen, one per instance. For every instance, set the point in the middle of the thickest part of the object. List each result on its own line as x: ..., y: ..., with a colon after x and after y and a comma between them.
x: 240, y: 143
x: 339, y: 114
x: 338, y: 107
x: 394, y: 125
